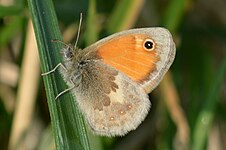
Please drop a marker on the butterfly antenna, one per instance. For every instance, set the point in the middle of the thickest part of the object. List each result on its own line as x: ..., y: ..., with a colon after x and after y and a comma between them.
x: 59, y: 41
x: 79, y: 29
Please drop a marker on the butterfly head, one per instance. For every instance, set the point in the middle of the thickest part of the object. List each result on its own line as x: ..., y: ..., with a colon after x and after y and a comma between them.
x: 67, y: 52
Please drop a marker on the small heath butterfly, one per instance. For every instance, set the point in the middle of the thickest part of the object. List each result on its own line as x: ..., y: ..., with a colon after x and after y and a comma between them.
x: 112, y: 77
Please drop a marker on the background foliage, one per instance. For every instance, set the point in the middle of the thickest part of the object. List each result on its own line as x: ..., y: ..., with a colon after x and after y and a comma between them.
x: 188, y: 108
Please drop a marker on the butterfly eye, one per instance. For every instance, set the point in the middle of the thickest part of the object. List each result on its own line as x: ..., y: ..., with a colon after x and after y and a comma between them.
x: 68, y: 54
x: 149, y: 45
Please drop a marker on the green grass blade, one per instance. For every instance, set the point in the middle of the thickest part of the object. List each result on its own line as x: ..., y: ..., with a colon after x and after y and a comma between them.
x: 174, y: 14
x: 10, y: 10
x: 124, y: 15
x: 91, y: 26
x: 9, y: 31
x: 206, y: 116
x: 67, y: 122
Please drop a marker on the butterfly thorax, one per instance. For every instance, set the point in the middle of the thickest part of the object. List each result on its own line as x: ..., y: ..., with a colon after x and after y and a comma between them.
x: 79, y: 64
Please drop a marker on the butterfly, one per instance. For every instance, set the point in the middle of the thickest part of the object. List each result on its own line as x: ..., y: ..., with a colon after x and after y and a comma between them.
x: 111, y: 78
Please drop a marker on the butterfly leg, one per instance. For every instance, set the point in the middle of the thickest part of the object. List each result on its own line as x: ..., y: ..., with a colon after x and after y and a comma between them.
x: 54, y: 69
x: 66, y: 90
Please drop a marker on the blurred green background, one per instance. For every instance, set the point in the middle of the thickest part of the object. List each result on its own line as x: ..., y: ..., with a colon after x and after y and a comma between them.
x: 188, y: 108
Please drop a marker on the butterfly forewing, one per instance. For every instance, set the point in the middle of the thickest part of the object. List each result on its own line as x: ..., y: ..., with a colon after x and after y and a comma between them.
x: 126, y: 52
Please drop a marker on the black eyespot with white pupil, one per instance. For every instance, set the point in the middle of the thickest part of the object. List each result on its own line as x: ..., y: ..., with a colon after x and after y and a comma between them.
x: 149, y: 45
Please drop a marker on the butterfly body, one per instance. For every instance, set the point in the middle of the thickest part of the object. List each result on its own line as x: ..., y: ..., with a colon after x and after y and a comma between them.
x: 112, y: 77
x: 112, y: 103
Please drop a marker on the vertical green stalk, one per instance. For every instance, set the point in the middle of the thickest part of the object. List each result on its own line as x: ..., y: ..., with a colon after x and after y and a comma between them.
x: 91, y: 30
x: 124, y: 15
x: 67, y: 122
x: 206, y: 116
x: 174, y: 13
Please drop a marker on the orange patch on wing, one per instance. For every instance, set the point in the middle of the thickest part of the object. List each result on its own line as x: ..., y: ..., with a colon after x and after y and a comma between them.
x: 127, y: 54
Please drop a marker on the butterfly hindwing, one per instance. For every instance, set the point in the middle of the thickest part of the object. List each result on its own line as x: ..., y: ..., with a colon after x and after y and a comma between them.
x: 112, y: 103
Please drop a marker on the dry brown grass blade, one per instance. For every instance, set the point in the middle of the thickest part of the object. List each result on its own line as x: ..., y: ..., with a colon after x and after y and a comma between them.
x: 27, y: 91
x: 170, y: 95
